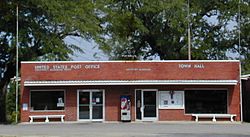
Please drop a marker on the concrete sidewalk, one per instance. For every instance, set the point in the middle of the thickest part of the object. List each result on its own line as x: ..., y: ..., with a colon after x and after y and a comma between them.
x: 171, y: 129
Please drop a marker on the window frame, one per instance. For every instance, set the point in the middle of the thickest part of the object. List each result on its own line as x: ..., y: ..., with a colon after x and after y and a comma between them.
x: 47, y: 90
x: 171, y: 106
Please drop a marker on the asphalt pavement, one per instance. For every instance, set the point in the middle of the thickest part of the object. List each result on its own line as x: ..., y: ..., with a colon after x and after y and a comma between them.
x: 144, y: 129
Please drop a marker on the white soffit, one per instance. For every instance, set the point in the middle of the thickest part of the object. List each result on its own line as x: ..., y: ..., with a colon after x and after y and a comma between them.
x: 245, y: 77
x: 129, y: 82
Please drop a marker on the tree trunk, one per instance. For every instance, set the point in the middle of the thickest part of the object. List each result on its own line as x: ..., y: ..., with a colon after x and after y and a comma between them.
x: 3, y: 103
x: 9, y: 73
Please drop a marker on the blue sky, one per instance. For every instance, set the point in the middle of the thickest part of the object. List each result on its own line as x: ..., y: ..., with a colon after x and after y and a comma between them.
x: 91, y: 50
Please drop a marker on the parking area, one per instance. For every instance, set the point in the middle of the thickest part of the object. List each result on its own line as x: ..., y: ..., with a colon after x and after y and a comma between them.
x: 171, y: 129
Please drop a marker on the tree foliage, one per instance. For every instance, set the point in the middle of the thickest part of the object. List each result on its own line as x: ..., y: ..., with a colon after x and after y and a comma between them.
x: 43, y: 26
x: 149, y: 29
x: 11, y: 103
x: 139, y: 28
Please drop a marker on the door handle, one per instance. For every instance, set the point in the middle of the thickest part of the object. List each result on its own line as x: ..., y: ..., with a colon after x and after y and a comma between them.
x: 142, y: 108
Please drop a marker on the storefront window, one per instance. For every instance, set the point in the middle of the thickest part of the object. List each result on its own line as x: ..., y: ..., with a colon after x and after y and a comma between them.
x: 47, y: 100
x: 171, y: 99
x: 206, y: 101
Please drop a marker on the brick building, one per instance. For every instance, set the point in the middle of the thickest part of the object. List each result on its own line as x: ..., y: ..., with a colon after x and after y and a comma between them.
x: 158, y: 90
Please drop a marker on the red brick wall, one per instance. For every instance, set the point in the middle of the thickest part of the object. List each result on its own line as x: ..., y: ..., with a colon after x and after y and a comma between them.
x: 24, y: 99
x: 112, y: 102
x: 173, y: 115
x: 131, y: 71
x: 71, y: 104
x: 234, y: 101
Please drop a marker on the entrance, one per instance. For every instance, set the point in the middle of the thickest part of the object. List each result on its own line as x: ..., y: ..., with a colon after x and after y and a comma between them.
x: 146, y: 106
x: 90, y: 105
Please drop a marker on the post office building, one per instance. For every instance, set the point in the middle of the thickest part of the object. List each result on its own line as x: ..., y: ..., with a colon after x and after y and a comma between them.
x: 131, y: 91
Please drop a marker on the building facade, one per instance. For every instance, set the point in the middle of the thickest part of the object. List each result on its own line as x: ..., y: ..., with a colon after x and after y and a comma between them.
x: 245, y: 80
x: 157, y: 90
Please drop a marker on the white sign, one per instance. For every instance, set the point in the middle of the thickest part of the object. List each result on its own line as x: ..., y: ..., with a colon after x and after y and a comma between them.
x: 25, y: 107
x: 60, y: 103
x: 171, y: 99
x: 65, y: 67
x: 97, y: 100
x: 188, y: 66
x: 138, y: 69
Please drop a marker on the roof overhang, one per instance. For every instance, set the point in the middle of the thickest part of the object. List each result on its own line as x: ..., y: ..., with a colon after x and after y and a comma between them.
x: 128, y: 82
x: 245, y: 77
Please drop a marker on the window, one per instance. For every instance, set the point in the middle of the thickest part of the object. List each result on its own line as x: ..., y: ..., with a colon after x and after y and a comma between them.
x: 47, y: 100
x: 171, y: 99
x: 206, y: 101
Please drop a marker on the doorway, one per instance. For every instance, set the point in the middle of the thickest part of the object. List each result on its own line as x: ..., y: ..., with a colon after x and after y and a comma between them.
x: 90, y: 105
x: 146, y: 105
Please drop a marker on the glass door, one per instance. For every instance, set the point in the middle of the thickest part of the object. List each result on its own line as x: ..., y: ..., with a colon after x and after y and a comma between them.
x: 90, y: 105
x: 146, y: 105
x: 138, y: 104
x: 97, y: 105
x: 84, y: 105
x: 149, y: 105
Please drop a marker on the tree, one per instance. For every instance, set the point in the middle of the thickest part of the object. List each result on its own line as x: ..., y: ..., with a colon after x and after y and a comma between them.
x: 11, y: 103
x: 146, y: 29
x: 244, y: 47
x: 43, y: 26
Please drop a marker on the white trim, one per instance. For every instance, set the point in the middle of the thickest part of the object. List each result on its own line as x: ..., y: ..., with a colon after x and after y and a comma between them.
x: 90, y: 91
x: 157, y: 104
x: 139, y: 90
x: 47, y: 90
x: 104, y: 104
x: 205, y: 89
x: 77, y: 105
x: 244, y: 77
x: 149, y: 61
x: 135, y: 109
x: 142, y: 105
x: 129, y: 82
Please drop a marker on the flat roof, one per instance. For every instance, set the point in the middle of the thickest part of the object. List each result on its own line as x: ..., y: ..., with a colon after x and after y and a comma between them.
x: 132, y: 61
